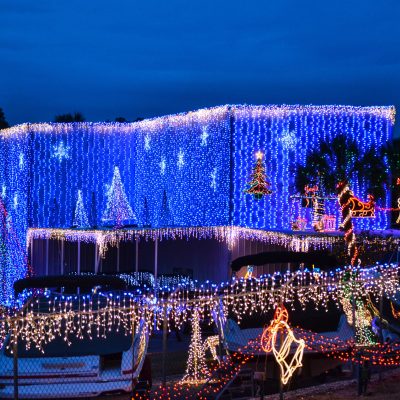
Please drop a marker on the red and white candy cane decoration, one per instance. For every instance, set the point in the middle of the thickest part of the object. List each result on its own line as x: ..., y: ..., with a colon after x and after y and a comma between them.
x: 344, y: 196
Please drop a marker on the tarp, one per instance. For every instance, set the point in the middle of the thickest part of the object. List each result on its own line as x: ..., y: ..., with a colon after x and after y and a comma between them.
x: 70, y: 282
x: 321, y: 259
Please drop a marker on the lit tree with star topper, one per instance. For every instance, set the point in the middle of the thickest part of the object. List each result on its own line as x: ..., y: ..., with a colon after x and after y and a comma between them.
x: 80, y: 217
x: 118, y: 211
x: 259, y: 186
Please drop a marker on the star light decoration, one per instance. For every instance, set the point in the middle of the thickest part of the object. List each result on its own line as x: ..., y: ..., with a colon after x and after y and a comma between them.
x: 163, y: 165
x: 281, y: 348
x: 204, y: 137
x: 61, y: 151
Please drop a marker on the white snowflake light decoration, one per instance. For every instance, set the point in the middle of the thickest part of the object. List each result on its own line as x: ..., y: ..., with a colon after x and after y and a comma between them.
x: 61, y: 151
x: 181, y: 162
x: 213, y: 176
x: 288, y: 140
x: 15, y: 200
x: 147, y: 142
x: 21, y: 160
x: 163, y: 166
x: 3, y: 191
x: 204, y: 137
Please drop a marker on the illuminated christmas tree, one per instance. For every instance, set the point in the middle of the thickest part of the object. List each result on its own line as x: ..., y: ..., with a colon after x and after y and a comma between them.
x: 118, y: 211
x: 80, y: 217
x: 166, y: 218
x: 196, y: 369
x: 54, y: 214
x: 13, y: 260
x: 146, y: 214
x: 93, y: 211
x: 259, y: 186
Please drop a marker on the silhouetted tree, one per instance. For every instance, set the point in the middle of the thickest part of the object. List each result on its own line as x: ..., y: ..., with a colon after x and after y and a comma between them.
x: 121, y: 119
x: 76, y: 117
x: 391, y: 154
x: 340, y: 160
x: 138, y: 119
x: 3, y: 122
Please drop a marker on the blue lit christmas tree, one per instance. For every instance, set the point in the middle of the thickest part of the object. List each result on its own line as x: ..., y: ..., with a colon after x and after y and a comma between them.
x: 166, y: 218
x: 54, y: 218
x: 93, y: 212
x: 80, y: 216
x: 118, y: 211
x: 13, y: 260
x: 146, y: 215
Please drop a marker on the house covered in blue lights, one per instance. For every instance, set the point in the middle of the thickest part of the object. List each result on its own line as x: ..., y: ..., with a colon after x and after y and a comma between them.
x: 181, y: 171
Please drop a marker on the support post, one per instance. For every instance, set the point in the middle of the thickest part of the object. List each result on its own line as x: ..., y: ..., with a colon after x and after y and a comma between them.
x: 47, y: 257
x: 31, y: 253
x: 155, y: 263
x: 96, y: 258
x: 133, y: 353
x: 137, y: 255
x: 380, y: 328
x: 164, y: 348
x: 79, y: 257
x: 118, y: 258
x: 62, y: 258
x: 15, y: 361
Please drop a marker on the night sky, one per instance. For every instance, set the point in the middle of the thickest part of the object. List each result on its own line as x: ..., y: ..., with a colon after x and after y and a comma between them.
x: 148, y: 58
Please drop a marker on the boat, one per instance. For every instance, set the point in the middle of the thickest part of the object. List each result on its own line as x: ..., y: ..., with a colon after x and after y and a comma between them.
x: 107, y: 365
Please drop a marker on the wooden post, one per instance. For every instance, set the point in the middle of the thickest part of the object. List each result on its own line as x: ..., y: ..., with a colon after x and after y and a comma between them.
x: 47, y: 257
x: 164, y: 348
x: 62, y: 258
x: 15, y: 360
x: 155, y: 262
x: 137, y: 255
x: 133, y: 354
x: 118, y: 257
x: 97, y: 258
x: 79, y: 257
x: 31, y: 255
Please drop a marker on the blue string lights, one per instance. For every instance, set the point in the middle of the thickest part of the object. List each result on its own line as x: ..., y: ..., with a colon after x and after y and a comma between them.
x: 199, y: 161
x: 285, y: 135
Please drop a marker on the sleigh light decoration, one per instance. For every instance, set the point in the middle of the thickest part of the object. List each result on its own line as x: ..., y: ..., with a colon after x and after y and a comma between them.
x: 361, y: 209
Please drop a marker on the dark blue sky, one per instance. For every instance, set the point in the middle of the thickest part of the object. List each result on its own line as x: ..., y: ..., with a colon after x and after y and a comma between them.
x: 130, y: 58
